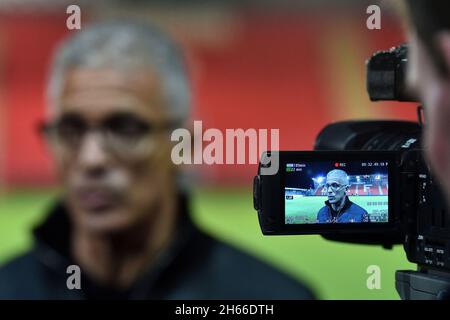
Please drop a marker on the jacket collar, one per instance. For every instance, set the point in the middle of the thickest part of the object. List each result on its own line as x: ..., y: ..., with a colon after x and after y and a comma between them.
x: 334, y: 213
x: 52, y: 237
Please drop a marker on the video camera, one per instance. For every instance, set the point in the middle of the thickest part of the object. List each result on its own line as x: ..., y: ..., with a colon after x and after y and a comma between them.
x: 365, y: 182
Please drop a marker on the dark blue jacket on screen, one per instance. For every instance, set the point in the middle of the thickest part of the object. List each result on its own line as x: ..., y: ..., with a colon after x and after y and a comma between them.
x: 349, y: 213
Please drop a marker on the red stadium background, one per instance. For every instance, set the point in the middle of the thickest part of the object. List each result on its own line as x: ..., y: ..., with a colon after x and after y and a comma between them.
x: 293, y: 71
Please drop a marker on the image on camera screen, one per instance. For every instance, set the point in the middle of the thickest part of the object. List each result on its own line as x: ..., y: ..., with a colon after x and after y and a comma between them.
x: 336, y: 192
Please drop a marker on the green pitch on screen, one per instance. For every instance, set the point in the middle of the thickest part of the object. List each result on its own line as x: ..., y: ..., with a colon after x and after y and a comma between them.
x: 304, y: 209
x: 334, y: 270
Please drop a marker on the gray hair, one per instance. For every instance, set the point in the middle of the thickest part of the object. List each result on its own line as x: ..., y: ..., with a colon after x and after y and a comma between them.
x: 125, y: 45
x: 338, y: 176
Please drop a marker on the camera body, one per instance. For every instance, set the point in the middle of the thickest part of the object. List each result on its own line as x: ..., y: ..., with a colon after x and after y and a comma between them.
x: 380, y: 166
x: 416, y: 209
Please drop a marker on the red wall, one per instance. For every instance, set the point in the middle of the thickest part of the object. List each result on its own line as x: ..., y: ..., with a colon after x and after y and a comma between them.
x: 288, y: 71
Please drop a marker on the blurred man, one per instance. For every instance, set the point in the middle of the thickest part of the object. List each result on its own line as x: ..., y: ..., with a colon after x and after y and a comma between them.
x: 429, y: 78
x: 338, y: 208
x: 116, y: 91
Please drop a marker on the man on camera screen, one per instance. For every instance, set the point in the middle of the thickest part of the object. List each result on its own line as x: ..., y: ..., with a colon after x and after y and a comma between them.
x: 338, y: 208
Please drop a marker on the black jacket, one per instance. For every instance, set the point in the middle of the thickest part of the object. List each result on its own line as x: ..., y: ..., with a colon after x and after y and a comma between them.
x: 195, y: 266
x: 349, y: 213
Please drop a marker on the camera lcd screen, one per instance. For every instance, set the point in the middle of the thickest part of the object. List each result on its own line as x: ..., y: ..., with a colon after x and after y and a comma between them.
x: 335, y: 192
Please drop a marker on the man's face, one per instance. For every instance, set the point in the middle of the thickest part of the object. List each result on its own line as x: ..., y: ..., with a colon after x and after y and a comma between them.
x: 434, y: 92
x: 335, y: 191
x: 112, y: 147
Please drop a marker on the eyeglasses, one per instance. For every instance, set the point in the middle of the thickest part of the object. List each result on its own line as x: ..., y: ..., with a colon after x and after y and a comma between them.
x: 333, y: 186
x: 125, y: 135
